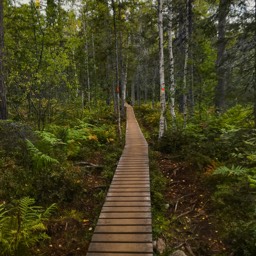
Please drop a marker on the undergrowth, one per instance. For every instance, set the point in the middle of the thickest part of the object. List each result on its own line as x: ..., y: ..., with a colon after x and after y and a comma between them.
x: 222, y: 150
x: 71, y: 163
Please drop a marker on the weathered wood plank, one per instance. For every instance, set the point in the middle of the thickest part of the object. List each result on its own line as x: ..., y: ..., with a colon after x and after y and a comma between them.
x: 123, y: 229
x: 124, y: 222
x: 122, y: 238
x: 118, y: 204
x: 121, y: 247
x: 126, y: 209
x: 125, y: 215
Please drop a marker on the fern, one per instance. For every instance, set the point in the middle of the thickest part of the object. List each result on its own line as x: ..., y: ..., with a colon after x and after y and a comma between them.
x: 39, y: 158
x: 22, y: 226
x: 233, y: 171
x: 49, y: 138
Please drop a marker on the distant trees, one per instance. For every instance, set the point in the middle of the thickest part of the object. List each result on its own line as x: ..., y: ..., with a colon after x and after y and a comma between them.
x: 56, y: 56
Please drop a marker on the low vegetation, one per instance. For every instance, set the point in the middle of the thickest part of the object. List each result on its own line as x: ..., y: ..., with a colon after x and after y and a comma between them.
x: 214, y: 157
x: 68, y: 165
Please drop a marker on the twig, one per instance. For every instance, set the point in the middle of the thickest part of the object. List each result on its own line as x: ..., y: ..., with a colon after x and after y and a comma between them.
x: 184, y: 213
x: 187, y: 246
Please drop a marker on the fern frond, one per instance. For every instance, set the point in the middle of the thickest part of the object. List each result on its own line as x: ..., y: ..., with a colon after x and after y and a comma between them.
x: 49, y: 138
x: 40, y: 159
x: 233, y: 171
x: 49, y: 211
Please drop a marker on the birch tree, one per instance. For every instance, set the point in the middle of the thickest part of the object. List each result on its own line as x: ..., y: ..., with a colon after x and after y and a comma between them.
x: 3, y: 105
x: 171, y: 62
x: 117, y: 69
x: 161, y: 70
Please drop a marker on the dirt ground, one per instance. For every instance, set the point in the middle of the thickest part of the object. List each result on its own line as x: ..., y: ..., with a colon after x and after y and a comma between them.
x: 192, y: 225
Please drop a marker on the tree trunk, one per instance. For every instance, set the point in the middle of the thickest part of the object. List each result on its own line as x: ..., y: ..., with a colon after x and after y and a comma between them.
x: 220, y: 69
x: 254, y: 80
x: 185, y: 70
x: 171, y: 63
x: 162, y: 124
x: 3, y: 104
x: 191, y: 65
x: 117, y: 71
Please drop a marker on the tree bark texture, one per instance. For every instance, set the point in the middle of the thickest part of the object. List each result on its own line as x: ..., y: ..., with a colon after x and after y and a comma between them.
x: 254, y: 78
x: 171, y: 62
x: 221, y: 45
x: 185, y: 70
x: 117, y: 70
x: 161, y: 70
x: 3, y: 104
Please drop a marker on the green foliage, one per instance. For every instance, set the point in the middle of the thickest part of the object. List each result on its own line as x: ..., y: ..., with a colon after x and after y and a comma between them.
x: 226, y: 143
x: 40, y: 160
x: 233, y: 171
x: 233, y: 194
x: 22, y: 226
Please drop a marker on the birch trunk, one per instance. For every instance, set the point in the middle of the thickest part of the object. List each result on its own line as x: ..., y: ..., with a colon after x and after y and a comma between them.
x: 161, y: 70
x: 171, y: 62
x: 88, y: 74
x: 86, y: 51
x: 117, y: 71
x: 185, y: 70
x: 3, y: 104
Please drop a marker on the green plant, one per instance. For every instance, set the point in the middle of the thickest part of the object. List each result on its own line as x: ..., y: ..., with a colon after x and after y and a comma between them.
x: 40, y: 159
x: 22, y: 226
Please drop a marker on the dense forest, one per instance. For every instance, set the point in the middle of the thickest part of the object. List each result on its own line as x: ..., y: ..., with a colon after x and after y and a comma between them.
x: 66, y: 70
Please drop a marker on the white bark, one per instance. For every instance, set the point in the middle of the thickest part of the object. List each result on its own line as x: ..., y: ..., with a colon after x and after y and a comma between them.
x: 161, y: 70
x: 171, y: 62
x: 185, y: 70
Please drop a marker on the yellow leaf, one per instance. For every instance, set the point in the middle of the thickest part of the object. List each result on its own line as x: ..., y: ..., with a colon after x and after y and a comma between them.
x: 93, y: 137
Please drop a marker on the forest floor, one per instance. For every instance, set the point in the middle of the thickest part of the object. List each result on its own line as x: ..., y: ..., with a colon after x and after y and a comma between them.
x: 192, y: 226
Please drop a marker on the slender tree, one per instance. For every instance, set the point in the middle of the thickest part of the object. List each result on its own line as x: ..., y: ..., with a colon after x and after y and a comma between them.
x: 162, y: 123
x: 185, y: 67
x: 171, y: 61
x: 223, y: 11
x: 117, y: 69
x: 3, y: 105
x: 254, y: 77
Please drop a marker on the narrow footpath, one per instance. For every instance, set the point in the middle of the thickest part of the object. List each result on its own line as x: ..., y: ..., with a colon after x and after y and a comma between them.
x: 124, y: 226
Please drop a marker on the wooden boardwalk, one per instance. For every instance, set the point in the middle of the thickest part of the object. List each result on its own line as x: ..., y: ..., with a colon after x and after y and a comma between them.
x: 124, y: 226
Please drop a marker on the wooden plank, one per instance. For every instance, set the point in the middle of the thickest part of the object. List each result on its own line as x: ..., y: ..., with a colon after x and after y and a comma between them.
x: 129, y: 186
x: 131, y: 179
x: 124, y: 229
x: 128, y: 198
x: 117, y: 193
x: 125, y: 215
x: 118, y: 204
x: 121, y: 247
x: 119, y: 254
x: 128, y: 190
x: 124, y: 222
x: 126, y: 209
x: 130, y: 182
x: 122, y: 238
